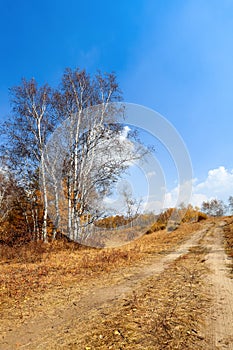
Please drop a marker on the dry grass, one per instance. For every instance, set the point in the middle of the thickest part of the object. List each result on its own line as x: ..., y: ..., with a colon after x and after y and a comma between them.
x: 164, y: 313
x: 228, y: 233
x: 29, y: 270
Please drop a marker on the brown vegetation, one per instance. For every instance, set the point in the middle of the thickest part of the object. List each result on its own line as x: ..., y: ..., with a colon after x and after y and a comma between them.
x: 164, y: 314
x: 36, y: 267
x: 228, y: 233
x: 171, y: 218
x: 164, y: 310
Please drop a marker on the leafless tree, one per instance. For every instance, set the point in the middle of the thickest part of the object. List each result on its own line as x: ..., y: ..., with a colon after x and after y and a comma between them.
x: 86, y: 154
x: 230, y: 204
x: 132, y: 205
x: 91, y: 135
x: 5, y: 197
x: 214, y: 207
x: 26, y: 133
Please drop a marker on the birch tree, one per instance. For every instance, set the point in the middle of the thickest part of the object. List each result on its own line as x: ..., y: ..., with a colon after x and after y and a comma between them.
x: 91, y: 139
x: 5, y: 197
x: 214, y: 207
x: 26, y: 133
x: 132, y: 205
x: 85, y: 155
x: 230, y: 204
x: 78, y: 93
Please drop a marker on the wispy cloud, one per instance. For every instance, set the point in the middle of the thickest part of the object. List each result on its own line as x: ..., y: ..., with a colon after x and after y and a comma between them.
x: 151, y: 173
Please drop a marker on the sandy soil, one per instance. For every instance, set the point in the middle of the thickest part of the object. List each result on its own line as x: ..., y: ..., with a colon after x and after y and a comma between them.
x: 220, y: 320
x: 75, y: 308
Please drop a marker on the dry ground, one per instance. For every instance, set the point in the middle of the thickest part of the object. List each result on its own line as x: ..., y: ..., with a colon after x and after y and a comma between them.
x: 163, y: 291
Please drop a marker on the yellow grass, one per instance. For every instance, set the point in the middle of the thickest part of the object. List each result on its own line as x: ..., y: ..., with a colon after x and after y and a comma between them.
x: 164, y: 313
x: 228, y: 233
x: 33, y: 269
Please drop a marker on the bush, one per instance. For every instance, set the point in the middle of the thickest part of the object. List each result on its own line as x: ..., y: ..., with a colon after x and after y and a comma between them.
x: 156, y: 227
x: 201, y: 216
x: 172, y: 217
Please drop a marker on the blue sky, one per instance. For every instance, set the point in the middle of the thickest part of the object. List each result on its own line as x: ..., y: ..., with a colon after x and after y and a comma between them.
x: 175, y: 57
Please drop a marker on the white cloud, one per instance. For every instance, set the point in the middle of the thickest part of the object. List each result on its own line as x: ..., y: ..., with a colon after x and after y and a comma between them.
x: 218, y: 184
x: 151, y: 173
x: 124, y: 133
x: 198, y: 199
x: 219, y: 180
x: 168, y: 199
x: 179, y: 194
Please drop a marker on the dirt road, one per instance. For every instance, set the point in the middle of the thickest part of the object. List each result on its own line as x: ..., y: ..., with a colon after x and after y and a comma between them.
x: 74, y: 312
x: 220, y: 325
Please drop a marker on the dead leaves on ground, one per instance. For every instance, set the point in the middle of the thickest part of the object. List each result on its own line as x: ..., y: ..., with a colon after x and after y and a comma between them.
x: 55, y: 265
x: 165, y: 313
